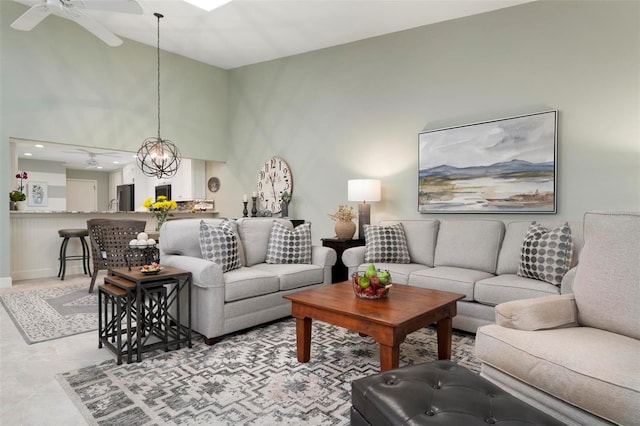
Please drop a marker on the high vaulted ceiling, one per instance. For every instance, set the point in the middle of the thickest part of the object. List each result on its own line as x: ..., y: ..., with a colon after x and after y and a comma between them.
x: 244, y: 32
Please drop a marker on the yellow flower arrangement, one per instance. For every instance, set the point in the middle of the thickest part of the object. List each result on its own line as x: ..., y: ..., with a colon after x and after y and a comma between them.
x: 160, y: 208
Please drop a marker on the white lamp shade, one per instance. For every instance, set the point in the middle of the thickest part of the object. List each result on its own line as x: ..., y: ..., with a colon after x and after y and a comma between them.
x: 363, y: 190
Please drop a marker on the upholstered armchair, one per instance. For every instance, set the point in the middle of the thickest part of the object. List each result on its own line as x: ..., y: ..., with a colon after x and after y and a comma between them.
x: 577, y: 356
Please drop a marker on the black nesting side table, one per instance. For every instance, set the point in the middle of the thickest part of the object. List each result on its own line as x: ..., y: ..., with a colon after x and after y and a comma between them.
x: 339, y: 272
x: 156, y: 307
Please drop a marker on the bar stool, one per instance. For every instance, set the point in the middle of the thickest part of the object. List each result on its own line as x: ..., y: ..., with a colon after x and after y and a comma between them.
x: 66, y: 234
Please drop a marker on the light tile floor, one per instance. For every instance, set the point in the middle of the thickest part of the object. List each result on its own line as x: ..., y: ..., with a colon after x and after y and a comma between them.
x: 29, y: 392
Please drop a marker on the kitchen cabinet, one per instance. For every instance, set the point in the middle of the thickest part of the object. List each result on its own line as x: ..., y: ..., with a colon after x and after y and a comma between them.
x: 128, y: 173
x: 189, y: 181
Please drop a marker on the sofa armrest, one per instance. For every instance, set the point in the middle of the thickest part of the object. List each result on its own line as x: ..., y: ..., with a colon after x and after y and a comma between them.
x: 323, y: 256
x: 538, y: 313
x: 205, y: 273
x: 354, y: 256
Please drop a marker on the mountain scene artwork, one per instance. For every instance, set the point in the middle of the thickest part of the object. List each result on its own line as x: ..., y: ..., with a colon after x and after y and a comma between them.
x: 500, y: 166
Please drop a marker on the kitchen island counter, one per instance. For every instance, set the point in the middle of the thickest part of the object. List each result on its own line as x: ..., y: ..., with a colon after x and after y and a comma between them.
x: 35, y: 242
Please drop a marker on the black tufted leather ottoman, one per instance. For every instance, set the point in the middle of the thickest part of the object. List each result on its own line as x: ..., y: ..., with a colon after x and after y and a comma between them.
x: 438, y: 393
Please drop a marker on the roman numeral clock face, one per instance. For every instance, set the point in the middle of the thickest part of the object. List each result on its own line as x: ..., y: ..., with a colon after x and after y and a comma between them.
x: 273, y: 179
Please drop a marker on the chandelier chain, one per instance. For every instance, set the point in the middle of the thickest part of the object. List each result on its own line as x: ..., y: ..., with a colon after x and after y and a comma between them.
x: 158, y: 50
x: 158, y: 157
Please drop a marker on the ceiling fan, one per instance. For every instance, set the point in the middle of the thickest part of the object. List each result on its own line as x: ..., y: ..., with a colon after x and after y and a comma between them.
x: 74, y: 10
x: 92, y: 163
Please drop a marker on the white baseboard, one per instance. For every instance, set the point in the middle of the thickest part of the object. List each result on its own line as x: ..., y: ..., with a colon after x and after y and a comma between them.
x: 5, y: 282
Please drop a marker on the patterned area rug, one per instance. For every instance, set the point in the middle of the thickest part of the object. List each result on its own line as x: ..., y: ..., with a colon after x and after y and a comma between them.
x: 53, y: 312
x: 250, y: 378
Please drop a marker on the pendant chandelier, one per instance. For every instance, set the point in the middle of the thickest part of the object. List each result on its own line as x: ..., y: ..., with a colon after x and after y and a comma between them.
x: 158, y: 157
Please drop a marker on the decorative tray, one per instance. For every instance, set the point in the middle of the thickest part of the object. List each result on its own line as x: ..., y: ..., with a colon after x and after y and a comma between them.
x: 150, y: 269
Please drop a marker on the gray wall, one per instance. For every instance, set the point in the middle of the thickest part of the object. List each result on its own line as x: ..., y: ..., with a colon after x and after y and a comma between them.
x: 102, y: 182
x: 60, y: 84
x: 355, y: 110
x: 101, y: 178
x: 350, y: 111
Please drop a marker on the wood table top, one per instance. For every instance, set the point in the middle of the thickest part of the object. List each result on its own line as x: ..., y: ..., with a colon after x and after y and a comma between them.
x: 135, y: 275
x: 403, y: 303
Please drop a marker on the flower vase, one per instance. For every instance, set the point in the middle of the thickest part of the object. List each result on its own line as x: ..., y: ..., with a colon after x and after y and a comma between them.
x: 345, y: 229
x: 21, y: 205
x: 285, y: 209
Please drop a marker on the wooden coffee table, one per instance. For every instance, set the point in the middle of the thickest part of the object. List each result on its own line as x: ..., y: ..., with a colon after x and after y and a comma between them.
x: 388, y: 321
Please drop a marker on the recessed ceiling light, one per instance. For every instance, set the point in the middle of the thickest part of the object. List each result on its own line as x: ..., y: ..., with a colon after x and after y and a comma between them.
x: 27, y: 154
x: 116, y: 162
x: 98, y: 167
x: 39, y: 146
x: 207, y: 5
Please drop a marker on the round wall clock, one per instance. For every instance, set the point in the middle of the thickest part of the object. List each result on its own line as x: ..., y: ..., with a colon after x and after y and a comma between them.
x: 273, y: 179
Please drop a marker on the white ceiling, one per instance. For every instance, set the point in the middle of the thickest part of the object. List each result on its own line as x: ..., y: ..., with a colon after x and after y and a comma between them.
x: 245, y: 32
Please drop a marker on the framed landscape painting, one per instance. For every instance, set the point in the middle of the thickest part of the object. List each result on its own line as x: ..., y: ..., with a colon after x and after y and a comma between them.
x: 498, y: 166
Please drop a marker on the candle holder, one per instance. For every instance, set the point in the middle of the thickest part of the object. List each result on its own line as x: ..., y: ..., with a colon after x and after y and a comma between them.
x: 254, y: 208
x: 244, y: 211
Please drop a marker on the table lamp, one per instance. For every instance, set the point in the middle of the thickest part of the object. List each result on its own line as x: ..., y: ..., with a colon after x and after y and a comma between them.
x: 363, y: 190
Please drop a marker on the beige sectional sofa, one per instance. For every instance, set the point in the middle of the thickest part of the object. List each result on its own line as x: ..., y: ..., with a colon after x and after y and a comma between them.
x: 224, y: 302
x: 478, y: 258
x: 577, y: 355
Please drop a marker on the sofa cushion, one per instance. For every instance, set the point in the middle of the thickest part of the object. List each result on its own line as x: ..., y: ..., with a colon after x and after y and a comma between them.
x: 219, y: 245
x: 607, y: 279
x: 244, y: 283
x: 385, y: 244
x: 546, y: 253
x: 470, y: 244
x: 289, y: 246
x: 584, y: 366
x: 509, y: 257
x: 448, y: 278
x: 507, y: 287
x: 254, y: 236
x: 421, y: 238
x: 400, y: 272
x: 182, y: 237
x: 294, y: 276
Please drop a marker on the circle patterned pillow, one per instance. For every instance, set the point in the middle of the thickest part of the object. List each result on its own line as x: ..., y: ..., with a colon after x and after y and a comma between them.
x: 219, y: 244
x: 546, y: 253
x: 386, y: 244
x: 287, y: 246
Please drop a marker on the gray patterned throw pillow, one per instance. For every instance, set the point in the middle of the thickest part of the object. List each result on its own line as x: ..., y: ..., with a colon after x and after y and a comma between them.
x: 386, y: 244
x: 219, y: 245
x: 289, y: 246
x: 546, y: 254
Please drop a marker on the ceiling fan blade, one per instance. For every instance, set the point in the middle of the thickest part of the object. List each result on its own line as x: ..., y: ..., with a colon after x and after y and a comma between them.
x: 121, y: 6
x: 31, y: 17
x: 97, y: 30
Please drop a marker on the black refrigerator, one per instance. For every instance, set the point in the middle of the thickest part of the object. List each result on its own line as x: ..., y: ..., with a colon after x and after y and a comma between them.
x: 126, y: 198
